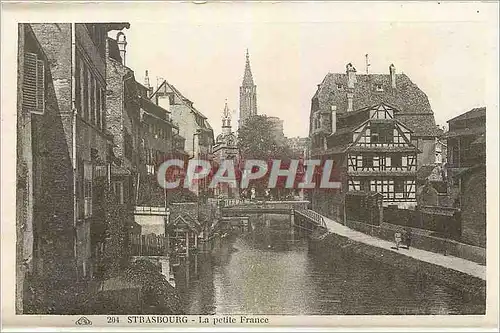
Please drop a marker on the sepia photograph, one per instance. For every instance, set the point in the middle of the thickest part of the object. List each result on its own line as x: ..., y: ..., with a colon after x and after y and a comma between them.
x: 224, y: 163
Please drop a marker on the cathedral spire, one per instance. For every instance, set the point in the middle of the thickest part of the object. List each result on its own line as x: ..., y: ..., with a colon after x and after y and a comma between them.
x: 247, y: 77
x: 248, y: 94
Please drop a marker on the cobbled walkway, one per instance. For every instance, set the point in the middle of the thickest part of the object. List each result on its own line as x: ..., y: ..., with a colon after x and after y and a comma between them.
x: 458, y: 264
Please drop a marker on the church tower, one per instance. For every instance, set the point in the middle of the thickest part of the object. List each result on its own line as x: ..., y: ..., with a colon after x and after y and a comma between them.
x: 226, y: 120
x: 248, y: 94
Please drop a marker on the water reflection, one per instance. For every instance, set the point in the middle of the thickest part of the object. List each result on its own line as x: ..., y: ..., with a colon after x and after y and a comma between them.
x: 266, y: 273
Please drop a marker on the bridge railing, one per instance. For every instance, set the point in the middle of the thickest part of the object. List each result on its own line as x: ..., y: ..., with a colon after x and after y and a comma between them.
x: 149, y: 210
x: 297, y: 204
x: 314, y: 216
x: 232, y: 202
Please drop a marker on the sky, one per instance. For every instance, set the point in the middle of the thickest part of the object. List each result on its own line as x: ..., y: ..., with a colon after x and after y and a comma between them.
x: 201, y: 50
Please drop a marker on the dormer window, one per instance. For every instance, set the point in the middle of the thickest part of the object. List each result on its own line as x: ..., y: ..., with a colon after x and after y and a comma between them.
x: 340, y: 86
x: 378, y: 87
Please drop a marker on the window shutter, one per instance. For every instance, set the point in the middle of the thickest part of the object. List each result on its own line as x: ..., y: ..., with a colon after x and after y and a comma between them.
x: 30, y: 82
x: 33, y: 84
x: 40, y: 84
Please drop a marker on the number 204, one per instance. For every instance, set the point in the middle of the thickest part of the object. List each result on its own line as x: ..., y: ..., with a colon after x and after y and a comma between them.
x: 113, y: 320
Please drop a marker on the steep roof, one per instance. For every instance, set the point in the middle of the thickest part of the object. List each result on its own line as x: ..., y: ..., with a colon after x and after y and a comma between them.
x: 184, y: 100
x: 474, y: 113
x: 421, y: 124
x: 155, y: 110
x: 407, y: 97
x: 185, y: 219
x: 464, y: 131
x: 247, y: 77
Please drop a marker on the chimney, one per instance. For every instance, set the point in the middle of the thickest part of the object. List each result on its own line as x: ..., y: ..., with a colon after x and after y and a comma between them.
x: 392, y: 72
x: 351, y: 80
x: 146, y: 80
x: 351, y: 75
x: 121, y: 40
x: 350, y: 97
x: 334, y: 119
x: 147, y: 84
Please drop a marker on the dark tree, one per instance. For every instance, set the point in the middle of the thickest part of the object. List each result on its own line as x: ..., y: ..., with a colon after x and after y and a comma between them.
x: 257, y: 141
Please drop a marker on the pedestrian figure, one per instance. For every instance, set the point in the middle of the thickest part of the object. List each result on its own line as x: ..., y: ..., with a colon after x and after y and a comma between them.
x: 397, y: 239
x: 252, y: 194
x: 408, y: 238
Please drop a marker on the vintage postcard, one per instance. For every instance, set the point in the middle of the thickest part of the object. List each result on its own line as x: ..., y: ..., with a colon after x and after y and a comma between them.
x: 253, y: 165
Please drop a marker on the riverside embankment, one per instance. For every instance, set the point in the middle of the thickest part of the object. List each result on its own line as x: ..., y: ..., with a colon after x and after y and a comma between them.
x: 460, y: 274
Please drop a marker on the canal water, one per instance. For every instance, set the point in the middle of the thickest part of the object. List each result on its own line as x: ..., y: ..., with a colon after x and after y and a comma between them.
x: 267, y: 273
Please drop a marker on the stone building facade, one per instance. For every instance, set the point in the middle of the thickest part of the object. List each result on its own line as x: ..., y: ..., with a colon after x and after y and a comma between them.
x: 298, y: 145
x: 193, y: 127
x: 123, y: 122
x: 466, y: 169
x: 63, y: 151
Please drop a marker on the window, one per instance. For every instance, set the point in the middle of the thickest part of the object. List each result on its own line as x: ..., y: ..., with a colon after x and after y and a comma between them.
x: 396, y: 160
x: 33, y: 84
x: 128, y: 145
x: 85, y: 88
x: 118, y: 191
x: 383, y: 186
x: 81, y: 85
x: 87, y: 189
x: 92, y: 100
x: 399, y: 186
x: 381, y: 133
x: 98, y: 106
x: 398, y: 137
x: 388, y: 161
x: 78, y: 83
x: 454, y: 157
x: 354, y: 185
x: 103, y: 109
x: 318, y: 122
x: 367, y: 161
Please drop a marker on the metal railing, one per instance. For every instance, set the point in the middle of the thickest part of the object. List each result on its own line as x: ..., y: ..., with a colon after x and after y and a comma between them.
x: 232, y: 202
x: 313, y: 216
x: 147, y: 210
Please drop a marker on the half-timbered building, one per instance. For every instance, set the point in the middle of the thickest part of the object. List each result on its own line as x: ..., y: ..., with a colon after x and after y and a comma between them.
x: 372, y: 152
x: 386, y: 143
x: 380, y: 157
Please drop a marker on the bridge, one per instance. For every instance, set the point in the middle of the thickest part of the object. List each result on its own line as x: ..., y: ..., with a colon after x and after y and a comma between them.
x: 150, y: 211
x: 300, y: 216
